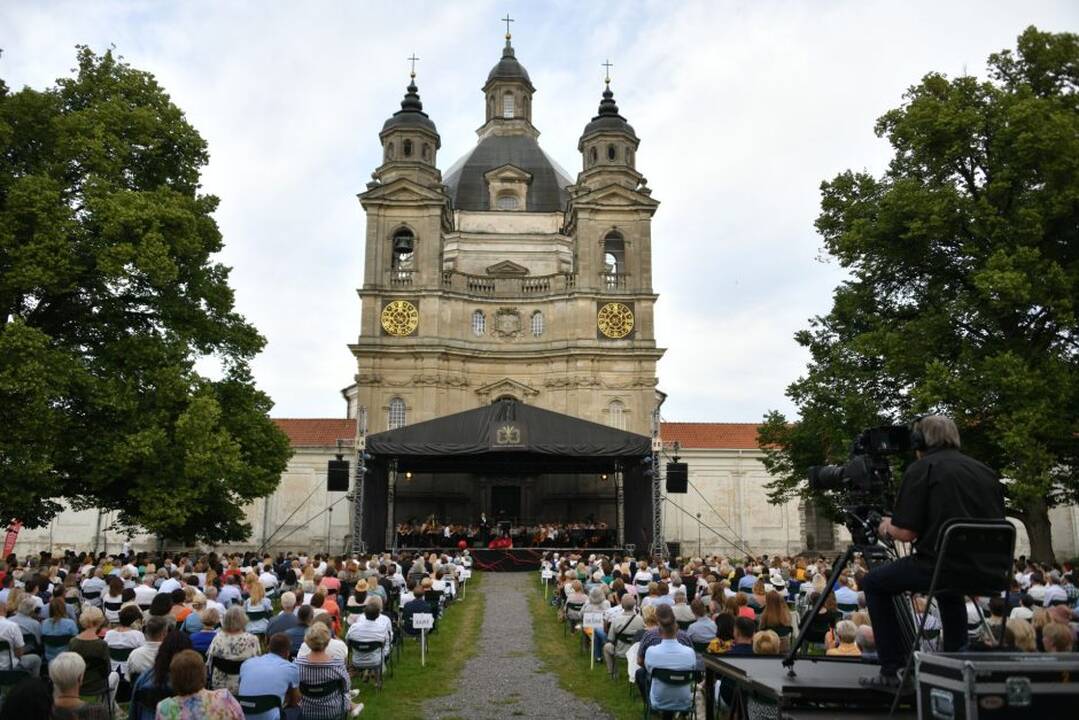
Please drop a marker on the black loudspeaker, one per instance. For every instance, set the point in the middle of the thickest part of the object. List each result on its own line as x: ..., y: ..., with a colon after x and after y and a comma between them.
x: 677, y: 477
x: 337, y: 476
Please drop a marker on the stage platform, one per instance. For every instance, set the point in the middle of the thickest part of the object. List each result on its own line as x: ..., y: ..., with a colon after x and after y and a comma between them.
x: 821, y: 687
x: 512, y: 559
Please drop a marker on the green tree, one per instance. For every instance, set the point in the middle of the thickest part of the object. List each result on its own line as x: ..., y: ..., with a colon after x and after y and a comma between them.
x: 109, y: 295
x: 963, y: 263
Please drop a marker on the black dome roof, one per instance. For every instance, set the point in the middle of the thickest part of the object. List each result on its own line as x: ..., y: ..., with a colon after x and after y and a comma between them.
x: 411, y: 114
x: 507, y: 68
x: 468, y: 187
x: 608, y: 119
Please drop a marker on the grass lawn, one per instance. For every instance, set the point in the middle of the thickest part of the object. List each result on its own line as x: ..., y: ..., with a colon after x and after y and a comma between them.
x: 563, y: 657
x: 447, y: 652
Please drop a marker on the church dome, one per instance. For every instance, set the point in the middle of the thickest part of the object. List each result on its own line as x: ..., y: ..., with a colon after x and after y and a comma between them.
x: 608, y: 119
x: 468, y: 187
x: 411, y: 114
x: 507, y: 68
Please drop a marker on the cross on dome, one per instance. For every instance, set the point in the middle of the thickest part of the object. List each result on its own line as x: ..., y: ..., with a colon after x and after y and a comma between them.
x: 608, y: 65
x: 508, y: 20
x: 412, y: 59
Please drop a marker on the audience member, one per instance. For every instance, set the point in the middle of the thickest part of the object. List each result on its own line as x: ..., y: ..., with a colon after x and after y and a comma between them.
x: 66, y: 672
x: 232, y: 643
x: 766, y: 642
x: 192, y: 701
x: 668, y: 654
x: 142, y: 658
x: 372, y: 626
x: 99, y: 676
x: 154, y: 684
x: 58, y: 625
x: 125, y: 636
x: 201, y: 640
x: 273, y: 674
x: 318, y: 667
x: 286, y: 618
x: 846, y: 634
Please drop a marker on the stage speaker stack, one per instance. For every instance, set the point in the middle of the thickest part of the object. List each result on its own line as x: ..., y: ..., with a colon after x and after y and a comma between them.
x: 337, y: 476
x: 677, y: 477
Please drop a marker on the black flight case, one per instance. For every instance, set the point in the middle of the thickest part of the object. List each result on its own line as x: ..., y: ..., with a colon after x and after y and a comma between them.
x: 980, y: 686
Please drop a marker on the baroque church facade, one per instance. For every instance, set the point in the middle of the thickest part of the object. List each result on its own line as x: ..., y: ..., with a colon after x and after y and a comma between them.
x: 505, y: 277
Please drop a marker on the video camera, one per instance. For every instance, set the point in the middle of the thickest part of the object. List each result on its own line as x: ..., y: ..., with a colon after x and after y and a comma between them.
x: 864, y: 483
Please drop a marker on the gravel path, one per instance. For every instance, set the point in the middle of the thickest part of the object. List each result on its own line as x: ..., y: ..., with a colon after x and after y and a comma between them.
x: 503, y: 679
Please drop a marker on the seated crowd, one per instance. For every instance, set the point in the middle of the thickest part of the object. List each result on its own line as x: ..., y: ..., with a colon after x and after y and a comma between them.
x: 664, y: 616
x: 186, y: 636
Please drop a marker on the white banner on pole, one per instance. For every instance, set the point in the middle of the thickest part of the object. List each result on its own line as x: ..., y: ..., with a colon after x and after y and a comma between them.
x: 423, y: 621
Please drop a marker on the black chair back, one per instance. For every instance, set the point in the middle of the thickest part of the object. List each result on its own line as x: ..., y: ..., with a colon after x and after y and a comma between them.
x: 258, y: 704
x: 976, y: 556
x: 229, y: 667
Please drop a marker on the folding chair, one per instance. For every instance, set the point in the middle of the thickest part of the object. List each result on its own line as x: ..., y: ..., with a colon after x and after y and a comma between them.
x: 258, y: 704
x: 571, y: 608
x: 108, y: 607
x: 676, y: 678
x: 13, y: 676
x: 978, y: 545
x: 366, y: 648
x: 30, y: 644
x: 230, y: 668
x: 148, y: 698
x: 104, y: 667
x: 56, y: 641
x: 118, y: 656
x: 323, y: 690
x: 684, y: 624
x: 847, y: 608
x: 91, y: 596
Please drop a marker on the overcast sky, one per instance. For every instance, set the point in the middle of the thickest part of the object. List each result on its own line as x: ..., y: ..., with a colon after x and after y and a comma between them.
x: 742, y: 110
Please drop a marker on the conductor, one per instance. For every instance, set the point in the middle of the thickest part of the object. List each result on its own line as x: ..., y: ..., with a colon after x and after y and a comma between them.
x: 941, y: 485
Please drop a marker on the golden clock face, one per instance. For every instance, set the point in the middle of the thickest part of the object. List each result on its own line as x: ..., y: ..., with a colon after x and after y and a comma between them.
x: 615, y: 320
x: 400, y: 318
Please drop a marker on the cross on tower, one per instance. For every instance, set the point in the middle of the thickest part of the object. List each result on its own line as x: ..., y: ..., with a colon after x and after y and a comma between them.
x: 607, y: 64
x: 412, y: 59
x: 507, y: 20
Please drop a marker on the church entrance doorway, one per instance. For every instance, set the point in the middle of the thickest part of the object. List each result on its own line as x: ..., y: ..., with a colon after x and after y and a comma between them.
x: 506, y: 502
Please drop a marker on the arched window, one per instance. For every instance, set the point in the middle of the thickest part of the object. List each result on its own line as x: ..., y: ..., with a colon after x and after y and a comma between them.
x: 592, y: 155
x: 507, y: 105
x: 614, y: 261
x: 537, y: 323
x: 507, y: 201
x: 407, y: 148
x: 612, y: 152
x: 404, y: 246
x: 426, y: 152
x: 479, y: 323
x: 616, y: 414
x: 389, y: 151
x: 396, y: 414
x: 629, y: 156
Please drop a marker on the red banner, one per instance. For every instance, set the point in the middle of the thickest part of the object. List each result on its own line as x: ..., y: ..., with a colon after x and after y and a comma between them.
x: 12, y: 535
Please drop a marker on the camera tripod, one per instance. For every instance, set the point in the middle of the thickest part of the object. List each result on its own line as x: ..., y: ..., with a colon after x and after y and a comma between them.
x: 876, y: 553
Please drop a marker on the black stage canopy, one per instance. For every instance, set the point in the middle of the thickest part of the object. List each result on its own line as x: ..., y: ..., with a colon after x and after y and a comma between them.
x: 507, y: 433
x: 507, y: 436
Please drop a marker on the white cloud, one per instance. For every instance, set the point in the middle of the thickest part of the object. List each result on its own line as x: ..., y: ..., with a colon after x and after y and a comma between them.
x: 743, y: 109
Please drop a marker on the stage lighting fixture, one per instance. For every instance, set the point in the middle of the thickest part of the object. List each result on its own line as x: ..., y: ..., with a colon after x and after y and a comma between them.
x: 408, y: 475
x: 603, y: 477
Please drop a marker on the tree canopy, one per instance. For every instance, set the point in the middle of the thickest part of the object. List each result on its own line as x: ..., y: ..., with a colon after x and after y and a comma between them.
x: 109, y: 295
x: 963, y: 262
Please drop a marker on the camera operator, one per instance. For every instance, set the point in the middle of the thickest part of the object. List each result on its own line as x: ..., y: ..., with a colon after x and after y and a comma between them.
x: 941, y: 485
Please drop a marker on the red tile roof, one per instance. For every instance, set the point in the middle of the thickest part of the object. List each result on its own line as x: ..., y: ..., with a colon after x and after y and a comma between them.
x: 725, y: 436
x: 324, y: 432
x: 317, y: 432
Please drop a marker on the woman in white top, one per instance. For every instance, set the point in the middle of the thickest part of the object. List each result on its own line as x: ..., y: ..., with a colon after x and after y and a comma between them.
x: 642, y: 577
x: 125, y: 636
x: 336, y: 648
x: 372, y: 626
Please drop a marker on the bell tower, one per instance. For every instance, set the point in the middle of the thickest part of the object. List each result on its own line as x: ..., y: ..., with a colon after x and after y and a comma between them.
x: 508, y: 94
